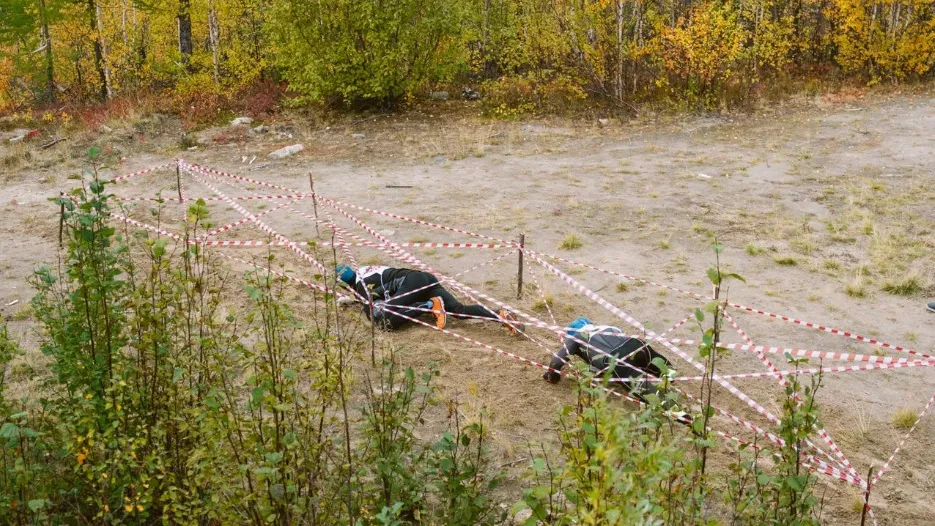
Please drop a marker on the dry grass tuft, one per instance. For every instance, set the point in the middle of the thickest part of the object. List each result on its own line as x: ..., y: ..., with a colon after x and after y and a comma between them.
x: 622, y: 287
x: 543, y: 304
x: 753, y: 250
x: 909, y: 285
x: 570, y: 242
x: 786, y: 261
x: 904, y: 418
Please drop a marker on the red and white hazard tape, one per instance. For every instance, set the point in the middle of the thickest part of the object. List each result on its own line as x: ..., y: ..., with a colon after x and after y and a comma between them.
x: 261, y: 225
x: 243, y: 220
x: 214, y: 198
x: 789, y: 319
x: 889, y: 461
x: 807, y: 353
x: 651, y: 335
x: 813, y: 370
x: 141, y: 172
x: 202, y: 169
x: 830, y: 330
x: 418, y: 221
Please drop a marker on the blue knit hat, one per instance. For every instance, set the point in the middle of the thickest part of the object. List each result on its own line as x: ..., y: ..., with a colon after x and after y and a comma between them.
x: 345, y: 274
x: 576, y: 326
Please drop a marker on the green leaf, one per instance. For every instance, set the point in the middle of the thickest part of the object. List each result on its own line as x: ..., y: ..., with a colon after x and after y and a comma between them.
x: 274, y: 457
x: 714, y: 276
x: 36, y: 504
x: 699, y: 315
x: 9, y: 430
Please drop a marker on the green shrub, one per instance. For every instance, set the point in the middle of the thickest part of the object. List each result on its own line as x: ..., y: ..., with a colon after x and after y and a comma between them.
x: 367, y: 52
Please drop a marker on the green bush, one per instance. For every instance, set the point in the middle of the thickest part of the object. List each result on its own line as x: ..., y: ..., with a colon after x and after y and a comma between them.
x: 367, y: 52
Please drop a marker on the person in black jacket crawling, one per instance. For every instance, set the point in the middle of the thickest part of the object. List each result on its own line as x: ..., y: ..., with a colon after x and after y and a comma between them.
x: 411, y: 293
x: 606, y: 348
x: 609, y: 348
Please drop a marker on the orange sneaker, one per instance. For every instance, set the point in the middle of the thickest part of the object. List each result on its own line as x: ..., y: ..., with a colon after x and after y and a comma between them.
x: 506, y: 318
x: 438, y: 309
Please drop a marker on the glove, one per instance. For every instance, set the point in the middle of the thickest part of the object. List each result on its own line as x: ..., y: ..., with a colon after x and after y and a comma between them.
x: 552, y: 377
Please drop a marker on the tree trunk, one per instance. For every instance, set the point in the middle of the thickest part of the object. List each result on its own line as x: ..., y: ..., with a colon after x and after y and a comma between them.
x: 214, y: 38
x: 47, y: 42
x: 108, y: 84
x: 185, y: 32
x: 98, y: 49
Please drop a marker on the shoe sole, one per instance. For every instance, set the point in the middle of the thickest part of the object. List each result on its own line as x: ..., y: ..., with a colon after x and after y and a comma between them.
x: 441, y: 317
x: 929, y: 308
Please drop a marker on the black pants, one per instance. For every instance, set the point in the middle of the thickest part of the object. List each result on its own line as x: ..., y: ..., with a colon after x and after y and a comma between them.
x: 417, y: 280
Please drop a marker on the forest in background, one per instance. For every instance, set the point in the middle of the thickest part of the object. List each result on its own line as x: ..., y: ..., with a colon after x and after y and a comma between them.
x: 522, y: 55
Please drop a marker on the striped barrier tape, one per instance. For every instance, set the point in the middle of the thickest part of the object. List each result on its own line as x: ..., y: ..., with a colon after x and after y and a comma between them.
x: 806, y: 353
x: 813, y: 370
x: 889, y: 461
x: 141, y: 172
x: 651, y: 335
x: 263, y: 226
x: 417, y: 221
x: 789, y: 319
x: 243, y: 220
x: 209, y: 199
x: 204, y: 170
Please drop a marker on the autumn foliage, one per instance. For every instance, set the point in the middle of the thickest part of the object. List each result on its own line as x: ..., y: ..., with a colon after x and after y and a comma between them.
x: 523, y: 54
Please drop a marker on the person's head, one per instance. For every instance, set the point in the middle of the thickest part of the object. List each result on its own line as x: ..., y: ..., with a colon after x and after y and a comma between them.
x: 345, y: 274
x: 576, y: 326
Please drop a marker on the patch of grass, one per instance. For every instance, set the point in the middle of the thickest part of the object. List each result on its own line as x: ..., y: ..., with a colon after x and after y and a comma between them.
x: 372, y: 260
x: 771, y: 293
x: 23, y: 313
x: 855, y: 289
x: 753, y: 250
x: 544, y: 303
x: 786, y: 261
x: 74, y: 177
x: 803, y: 245
x: 813, y: 297
x: 456, y: 255
x: 622, y: 287
x: 904, y: 418
x: 911, y: 336
x: 830, y: 264
x: 905, y: 286
x: 664, y: 243
x: 570, y: 242
x: 419, y: 239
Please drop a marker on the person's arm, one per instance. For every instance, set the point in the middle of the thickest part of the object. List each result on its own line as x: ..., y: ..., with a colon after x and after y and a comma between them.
x: 553, y: 375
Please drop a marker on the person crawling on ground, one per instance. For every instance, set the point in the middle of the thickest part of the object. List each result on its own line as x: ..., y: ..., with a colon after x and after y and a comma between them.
x: 628, y: 360
x: 398, y: 293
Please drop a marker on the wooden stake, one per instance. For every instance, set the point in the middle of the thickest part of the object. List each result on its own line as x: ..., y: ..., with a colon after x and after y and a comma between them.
x: 311, y: 185
x: 519, y: 270
x: 863, y: 514
x: 61, y: 219
x: 178, y: 180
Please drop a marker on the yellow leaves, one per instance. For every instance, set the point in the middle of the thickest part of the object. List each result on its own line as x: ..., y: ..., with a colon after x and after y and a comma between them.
x: 128, y: 508
x: 80, y: 457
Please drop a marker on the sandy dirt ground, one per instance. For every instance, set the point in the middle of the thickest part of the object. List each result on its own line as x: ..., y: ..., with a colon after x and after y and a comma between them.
x: 826, y: 207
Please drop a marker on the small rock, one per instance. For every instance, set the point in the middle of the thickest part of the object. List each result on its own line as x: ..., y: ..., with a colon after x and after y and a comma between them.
x: 439, y: 159
x: 261, y: 129
x: 469, y: 94
x: 241, y: 121
x: 439, y: 95
x: 387, y: 233
x: 703, y: 176
x: 18, y: 138
x: 105, y: 129
x: 603, y: 122
x: 522, y: 516
x: 358, y: 136
x: 287, y: 151
x: 192, y: 148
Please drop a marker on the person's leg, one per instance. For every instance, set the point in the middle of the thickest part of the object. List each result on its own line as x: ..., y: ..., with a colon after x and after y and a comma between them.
x: 460, y: 310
